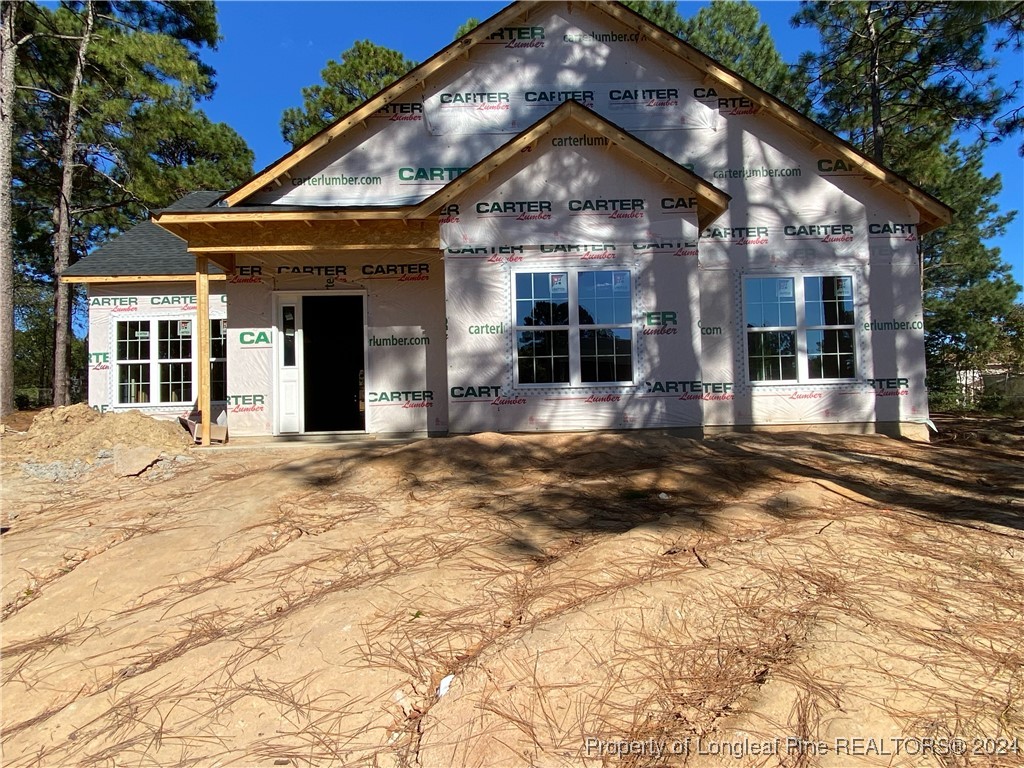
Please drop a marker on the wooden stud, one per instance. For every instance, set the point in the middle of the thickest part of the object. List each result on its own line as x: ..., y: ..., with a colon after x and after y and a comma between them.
x: 135, y: 278
x: 203, y: 321
x: 223, y: 215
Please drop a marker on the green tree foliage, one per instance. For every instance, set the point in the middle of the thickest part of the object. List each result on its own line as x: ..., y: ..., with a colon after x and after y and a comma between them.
x: 467, y: 26
x: 903, y: 71
x: 33, y: 341
x: 33, y: 344
x: 141, y: 141
x: 12, y: 37
x: 1010, y: 24
x: 107, y: 128
x: 968, y: 288
x: 900, y: 80
x: 664, y: 14
x: 363, y: 71
x: 731, y: 32
x: 1010, y: 351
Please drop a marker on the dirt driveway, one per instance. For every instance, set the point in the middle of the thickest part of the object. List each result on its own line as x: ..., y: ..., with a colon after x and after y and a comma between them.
x: 543, y: 600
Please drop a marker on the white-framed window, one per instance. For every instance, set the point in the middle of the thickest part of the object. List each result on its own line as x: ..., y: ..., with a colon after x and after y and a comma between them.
x: 134, y: 367
x: 174, y: 356
x: 154, y: 361
x: 800, y: 328
x: 574, y: 327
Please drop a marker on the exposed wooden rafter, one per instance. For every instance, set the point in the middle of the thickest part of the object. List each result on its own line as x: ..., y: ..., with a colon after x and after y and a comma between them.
x: 99, y: 279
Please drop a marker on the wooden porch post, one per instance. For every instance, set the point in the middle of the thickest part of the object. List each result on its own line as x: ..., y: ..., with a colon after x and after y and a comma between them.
x: 203, y: 321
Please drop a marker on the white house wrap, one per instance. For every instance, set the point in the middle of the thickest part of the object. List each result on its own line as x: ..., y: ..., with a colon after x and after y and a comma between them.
x: 567, y: 220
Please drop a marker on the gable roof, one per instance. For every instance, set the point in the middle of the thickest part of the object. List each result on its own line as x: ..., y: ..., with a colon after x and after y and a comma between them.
x: 711, y: 201
x: 933, y: 212
x: 145, y: 249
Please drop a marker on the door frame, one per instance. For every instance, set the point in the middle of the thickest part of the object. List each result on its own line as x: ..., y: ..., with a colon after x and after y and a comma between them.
x: 294, y: 298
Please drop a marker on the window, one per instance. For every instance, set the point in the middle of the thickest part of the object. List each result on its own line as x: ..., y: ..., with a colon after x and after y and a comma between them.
x: 218, y: 360
x: 133, y: 367
x: 574, y: 327
x: 174, y: 351
x: 154, y: 361
x: 800, y: 329
x: 542, y: 327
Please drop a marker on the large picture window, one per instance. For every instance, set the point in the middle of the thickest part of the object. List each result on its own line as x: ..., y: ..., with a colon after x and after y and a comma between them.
x: 574, y: 327
x: 800, y: 329
x: 154, y: 361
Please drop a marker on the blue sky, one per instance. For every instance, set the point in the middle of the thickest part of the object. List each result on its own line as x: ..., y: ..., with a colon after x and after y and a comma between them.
x: 271, y: 50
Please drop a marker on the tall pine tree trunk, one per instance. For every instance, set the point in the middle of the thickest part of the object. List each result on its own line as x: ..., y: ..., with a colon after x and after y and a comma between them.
x: 8, y: 52
x: 62, y: 221
x: 877, y: 126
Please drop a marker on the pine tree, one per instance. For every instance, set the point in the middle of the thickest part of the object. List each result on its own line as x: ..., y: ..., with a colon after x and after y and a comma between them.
x: 731, y: 32
x: 107, y: 128
x: 466, y: 27
x: 663, y: 13
x: 968, y: 289
x: 363, y: 71
x: 900, y: 80
x: 908, y: 70
x: 12, y: 37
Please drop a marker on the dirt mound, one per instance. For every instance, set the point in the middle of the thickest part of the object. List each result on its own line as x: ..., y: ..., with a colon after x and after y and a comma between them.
x: 77, y: 432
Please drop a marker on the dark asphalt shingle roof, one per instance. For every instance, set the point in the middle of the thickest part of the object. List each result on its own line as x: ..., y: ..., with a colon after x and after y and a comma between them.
x: 195, y: 201
x: 146, y: 249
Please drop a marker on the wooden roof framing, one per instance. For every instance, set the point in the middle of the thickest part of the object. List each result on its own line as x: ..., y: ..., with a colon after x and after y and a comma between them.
x: 218, y: 232
x: 91, y: 279
x: 222, y: 234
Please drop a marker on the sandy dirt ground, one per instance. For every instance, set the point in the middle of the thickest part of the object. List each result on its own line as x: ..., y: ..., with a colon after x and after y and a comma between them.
x: 492, y: 600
